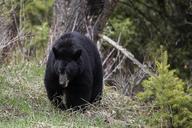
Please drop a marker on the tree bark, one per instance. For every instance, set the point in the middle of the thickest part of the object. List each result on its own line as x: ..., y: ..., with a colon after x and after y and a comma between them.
x: 74, y: 15
x: 8, y: 36
x: 67, y: 16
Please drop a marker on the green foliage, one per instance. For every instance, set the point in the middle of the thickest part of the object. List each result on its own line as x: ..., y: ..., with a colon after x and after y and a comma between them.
x: 33, y: 18
x: 172, y: 106
x: 37, y: 15
x: 40, y: 39
x: 156, y: 23
x: 42, y: 32
x: 120, y: 25
x: 38, y: 11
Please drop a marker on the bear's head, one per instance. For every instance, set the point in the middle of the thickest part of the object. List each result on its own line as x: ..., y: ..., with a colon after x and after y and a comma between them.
x: 66, y: 60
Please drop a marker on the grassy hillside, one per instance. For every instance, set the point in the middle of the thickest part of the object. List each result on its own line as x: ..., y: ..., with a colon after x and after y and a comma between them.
x: 23, y: 103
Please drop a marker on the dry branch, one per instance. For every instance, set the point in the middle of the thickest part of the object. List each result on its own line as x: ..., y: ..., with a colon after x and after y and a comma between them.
x: 115, y: 69
x: 127, y: 54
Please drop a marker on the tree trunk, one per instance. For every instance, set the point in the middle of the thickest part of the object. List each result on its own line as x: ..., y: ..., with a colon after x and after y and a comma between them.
x: 8, y: 36
x: 81, y: 16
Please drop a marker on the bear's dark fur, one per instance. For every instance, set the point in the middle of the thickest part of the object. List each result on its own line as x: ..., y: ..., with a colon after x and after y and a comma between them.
x: 73, y: 75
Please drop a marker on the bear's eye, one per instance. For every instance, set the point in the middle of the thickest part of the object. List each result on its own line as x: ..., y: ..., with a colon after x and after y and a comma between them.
x: 64, y: 59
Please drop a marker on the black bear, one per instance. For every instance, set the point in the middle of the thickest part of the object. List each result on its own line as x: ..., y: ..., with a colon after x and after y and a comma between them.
x: 73, y: 75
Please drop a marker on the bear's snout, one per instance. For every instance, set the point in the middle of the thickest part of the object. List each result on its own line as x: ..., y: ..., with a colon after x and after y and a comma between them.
x: 63, y: 80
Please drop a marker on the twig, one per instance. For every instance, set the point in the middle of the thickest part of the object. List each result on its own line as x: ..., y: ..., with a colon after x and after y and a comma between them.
x: 127, y: 54
x: 109, y: 55
x: 114, y: 70
x: 75, y: 22
x: 9, y: 42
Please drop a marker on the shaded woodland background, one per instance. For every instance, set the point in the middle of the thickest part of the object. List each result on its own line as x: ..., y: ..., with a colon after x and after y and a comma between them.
x: 153, y: 31
x: 144, y: 26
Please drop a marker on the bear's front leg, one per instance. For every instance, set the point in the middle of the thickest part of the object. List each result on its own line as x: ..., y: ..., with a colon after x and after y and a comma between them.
x: 57, y: 98
x: 78, y: 98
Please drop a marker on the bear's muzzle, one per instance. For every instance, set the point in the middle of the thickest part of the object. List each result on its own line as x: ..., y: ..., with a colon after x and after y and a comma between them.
x: 63, y: 80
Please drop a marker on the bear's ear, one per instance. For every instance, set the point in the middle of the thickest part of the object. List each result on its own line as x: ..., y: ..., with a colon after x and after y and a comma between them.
x: 77, y: 54
x: 55, y: 52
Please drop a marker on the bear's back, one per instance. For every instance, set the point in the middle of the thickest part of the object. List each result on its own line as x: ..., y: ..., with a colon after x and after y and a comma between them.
x: 89, y: 47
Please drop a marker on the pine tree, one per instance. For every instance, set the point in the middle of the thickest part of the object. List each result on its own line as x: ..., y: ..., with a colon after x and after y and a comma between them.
x: 172, y: 106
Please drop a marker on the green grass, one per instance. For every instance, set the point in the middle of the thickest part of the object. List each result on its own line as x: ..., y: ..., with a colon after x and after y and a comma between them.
x: 24, y: 103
